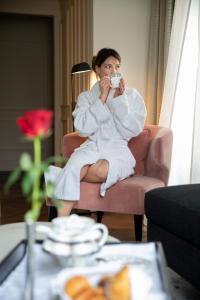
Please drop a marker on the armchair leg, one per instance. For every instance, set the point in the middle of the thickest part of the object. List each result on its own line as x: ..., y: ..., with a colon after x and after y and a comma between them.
x: 52, y: 213
x: 138, y: 220
x: 99, y: 216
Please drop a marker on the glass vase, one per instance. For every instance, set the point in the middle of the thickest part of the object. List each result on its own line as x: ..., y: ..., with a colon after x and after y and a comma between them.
x: 30, y: 278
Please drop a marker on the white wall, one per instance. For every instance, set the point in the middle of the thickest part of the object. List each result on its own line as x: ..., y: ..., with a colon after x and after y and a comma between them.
x: 124, y: 26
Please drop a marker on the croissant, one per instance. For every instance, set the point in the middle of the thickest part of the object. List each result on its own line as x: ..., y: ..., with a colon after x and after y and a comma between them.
x: 78, y: 288
x: 76, y: 285
x: 115, y: 287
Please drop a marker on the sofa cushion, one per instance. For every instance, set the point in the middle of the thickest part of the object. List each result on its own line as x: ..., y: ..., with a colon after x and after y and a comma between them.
x: 139, y: 147
x: 176, y: 209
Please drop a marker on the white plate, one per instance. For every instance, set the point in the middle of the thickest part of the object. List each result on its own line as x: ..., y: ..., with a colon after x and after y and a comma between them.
x: 144, y: 284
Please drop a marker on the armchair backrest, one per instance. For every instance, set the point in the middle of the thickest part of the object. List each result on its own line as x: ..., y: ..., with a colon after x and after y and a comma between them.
x: 151, y: 148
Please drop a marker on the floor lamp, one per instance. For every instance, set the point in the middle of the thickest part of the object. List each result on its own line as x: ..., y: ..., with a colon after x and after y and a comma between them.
x: 76, y: 69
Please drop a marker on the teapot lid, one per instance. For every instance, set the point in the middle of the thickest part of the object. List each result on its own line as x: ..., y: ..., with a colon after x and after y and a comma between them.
x: 78, y: 222
x: 73, y: 229
x: 74, y: 237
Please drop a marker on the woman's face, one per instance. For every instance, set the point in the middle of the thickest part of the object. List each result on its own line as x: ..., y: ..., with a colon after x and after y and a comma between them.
x: 109, y: 66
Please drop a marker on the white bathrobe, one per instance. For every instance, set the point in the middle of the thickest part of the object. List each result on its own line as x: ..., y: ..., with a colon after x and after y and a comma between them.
x: 108, y: 126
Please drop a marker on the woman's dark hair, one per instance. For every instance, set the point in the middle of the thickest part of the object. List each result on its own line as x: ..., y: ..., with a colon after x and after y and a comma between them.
x: 102, y: 55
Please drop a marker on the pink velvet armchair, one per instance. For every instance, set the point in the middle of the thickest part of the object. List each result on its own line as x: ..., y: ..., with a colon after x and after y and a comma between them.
x: 152, y: 151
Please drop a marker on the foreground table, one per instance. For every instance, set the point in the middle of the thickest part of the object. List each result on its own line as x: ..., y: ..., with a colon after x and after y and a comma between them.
x: 12, y: 234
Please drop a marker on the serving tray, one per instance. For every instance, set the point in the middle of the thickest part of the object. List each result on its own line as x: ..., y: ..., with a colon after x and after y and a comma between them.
x: 50, y: 269
x: 12, y: 259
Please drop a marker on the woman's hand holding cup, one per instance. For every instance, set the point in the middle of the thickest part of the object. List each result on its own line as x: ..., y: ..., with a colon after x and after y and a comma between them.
x: 115, y: 82
x: 105, y: 86
x: 120, y: 89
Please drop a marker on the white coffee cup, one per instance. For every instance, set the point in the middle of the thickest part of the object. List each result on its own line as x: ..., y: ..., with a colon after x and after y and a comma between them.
x: 115, y: 80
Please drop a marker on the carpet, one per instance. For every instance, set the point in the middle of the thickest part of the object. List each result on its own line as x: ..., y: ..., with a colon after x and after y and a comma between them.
x: 180, y: 288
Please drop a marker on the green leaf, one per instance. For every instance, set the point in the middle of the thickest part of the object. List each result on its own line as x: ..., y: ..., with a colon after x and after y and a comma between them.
x: 45, y: 164
x: 25, y: 162
x: 27, y: 183
x: 44, y: 167
x: 56, y: 159
x: 12, y: 179
x: 41, y: 196
x: 50, y: 187
x: 56, y: 203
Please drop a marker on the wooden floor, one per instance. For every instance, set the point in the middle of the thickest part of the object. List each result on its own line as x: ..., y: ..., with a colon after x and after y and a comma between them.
x: 14, y: 206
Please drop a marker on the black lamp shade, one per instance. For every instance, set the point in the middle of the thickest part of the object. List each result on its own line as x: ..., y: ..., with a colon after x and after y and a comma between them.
x: 79, y: 68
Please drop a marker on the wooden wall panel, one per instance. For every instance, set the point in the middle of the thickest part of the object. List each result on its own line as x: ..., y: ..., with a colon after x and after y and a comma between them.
x: 77, y: 26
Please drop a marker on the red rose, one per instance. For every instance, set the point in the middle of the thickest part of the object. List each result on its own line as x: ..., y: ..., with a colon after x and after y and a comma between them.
x: 35, y: 123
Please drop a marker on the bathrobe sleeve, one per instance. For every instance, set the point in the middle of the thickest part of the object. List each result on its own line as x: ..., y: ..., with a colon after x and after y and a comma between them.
x: 129, y: 113
x: 89, y: 114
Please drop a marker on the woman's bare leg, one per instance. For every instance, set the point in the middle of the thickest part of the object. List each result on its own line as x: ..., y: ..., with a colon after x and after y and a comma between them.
x: 67, y: 205
x: 65, y: 208
x: 97, y: 172
x: 91, y: 173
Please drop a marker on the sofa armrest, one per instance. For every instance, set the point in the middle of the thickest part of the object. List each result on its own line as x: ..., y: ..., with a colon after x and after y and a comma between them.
x: 158, y: 160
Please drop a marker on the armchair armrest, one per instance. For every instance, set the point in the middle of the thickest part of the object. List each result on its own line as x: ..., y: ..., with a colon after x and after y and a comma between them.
x: 71, y: 141
x: 159, y: 155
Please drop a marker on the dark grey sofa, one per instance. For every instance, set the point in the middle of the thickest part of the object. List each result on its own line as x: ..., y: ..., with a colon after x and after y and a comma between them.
x: 173, y: 215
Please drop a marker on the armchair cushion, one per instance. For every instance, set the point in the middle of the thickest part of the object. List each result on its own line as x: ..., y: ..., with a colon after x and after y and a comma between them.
x: 119, y: 197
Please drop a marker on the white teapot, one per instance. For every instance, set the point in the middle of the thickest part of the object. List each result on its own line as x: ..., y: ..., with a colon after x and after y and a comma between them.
x: 74, y: 237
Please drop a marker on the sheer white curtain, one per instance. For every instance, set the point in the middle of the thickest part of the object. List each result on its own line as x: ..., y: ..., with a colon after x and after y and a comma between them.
x: 181, y: 99
x: 160, y: 30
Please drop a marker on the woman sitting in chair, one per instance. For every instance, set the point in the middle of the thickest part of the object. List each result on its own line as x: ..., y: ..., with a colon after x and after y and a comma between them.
x: 109, y: 115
